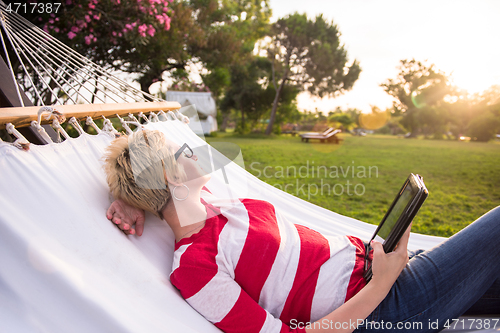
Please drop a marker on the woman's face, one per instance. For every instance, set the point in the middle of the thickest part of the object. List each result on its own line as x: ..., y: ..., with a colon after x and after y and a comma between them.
x: 194, y: 172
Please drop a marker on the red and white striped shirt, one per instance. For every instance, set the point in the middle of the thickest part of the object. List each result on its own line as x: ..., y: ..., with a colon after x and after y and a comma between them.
x: 250, y: 270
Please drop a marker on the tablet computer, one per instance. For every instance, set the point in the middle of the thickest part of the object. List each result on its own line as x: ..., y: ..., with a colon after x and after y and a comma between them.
x: 403, y: 209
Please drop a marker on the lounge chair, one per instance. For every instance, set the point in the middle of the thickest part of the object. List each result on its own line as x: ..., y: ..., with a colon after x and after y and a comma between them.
x: 325, y: 132
x: 330, y: 137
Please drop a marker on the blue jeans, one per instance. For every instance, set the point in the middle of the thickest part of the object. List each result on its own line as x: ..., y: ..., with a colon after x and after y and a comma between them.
x: 459, y: 276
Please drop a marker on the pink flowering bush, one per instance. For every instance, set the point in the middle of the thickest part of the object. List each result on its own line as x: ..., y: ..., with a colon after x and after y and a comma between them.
x: 139, y: 36
x: 98, y: 28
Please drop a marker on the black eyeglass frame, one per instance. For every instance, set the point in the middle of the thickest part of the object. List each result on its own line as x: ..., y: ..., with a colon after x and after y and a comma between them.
x: 181, y: 150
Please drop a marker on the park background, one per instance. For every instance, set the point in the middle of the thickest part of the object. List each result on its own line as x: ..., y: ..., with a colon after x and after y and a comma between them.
x: 414, y: 87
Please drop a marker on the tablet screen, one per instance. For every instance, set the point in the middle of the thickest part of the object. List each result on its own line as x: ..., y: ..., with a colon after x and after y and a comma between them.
x: 398, y: 209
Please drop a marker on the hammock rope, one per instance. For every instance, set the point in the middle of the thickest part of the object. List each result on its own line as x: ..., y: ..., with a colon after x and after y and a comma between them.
x: 9, y: 62
x: 63, y: 75
x: 41, y: 131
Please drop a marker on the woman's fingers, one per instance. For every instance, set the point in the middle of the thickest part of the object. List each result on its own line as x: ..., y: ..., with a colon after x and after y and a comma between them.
x: 388, y: 266
x: 139, y: 224
x: 378, y: 249
x: 110, y: 212
x: 403, y: 242
x: 125, y: 227
x: 125, y: 217
x: 120, y: 223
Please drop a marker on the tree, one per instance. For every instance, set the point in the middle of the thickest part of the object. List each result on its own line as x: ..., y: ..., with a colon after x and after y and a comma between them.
x: 484, y: 127
x: 221, y: 33
x: 485, y: 120
x: 346, y: 119
x: 488, y: 100
x: 144, y: 36
x: 462, y: 114
x: 250, y: 93
x: 419, y: 91
x: 308, y: 55
x: 343, y: 119
x: 245, y: 94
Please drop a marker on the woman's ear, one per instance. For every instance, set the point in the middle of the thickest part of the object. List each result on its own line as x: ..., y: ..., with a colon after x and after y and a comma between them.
x: 173, y: 180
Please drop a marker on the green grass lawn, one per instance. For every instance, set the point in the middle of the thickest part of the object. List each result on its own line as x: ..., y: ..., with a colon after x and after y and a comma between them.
x: 463, y: 178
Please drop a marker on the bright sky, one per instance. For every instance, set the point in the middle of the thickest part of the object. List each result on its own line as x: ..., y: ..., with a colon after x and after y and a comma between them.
x: 460, y: 37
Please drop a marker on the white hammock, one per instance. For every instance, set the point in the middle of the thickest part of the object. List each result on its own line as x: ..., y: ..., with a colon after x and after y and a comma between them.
x: 66, y: 268
x: 63, y: 266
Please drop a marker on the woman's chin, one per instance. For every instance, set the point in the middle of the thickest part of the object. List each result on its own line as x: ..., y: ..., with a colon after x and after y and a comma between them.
x: 207, y: 177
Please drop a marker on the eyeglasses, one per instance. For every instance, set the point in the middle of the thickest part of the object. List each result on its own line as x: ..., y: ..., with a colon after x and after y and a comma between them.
x: 186, y: 150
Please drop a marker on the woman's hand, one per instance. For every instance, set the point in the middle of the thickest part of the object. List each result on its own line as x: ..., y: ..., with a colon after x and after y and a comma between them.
x: 126, y: 216
x: 386, y: 267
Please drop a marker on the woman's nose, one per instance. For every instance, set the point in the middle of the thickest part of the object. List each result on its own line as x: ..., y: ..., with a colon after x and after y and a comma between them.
x: 194, y: 157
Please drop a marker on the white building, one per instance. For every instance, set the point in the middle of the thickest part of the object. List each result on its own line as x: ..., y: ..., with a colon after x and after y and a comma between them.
x: 202, y: 117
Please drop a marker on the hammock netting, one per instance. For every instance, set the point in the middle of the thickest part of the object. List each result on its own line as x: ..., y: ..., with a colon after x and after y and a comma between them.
x: 51, y: 73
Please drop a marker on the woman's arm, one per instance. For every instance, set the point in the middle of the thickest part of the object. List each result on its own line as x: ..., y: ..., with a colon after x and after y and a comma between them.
x: 221, y: 300
x: 386, y: 269
x: 126, y: 216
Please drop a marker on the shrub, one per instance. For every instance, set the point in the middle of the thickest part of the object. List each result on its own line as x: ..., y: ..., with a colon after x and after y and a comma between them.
x: 484, y: 127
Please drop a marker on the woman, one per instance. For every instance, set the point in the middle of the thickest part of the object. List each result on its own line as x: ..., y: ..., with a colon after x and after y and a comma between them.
x: 246, y: 269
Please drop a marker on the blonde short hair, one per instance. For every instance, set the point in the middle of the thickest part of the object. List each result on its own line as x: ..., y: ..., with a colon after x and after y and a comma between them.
x: 136, y: 166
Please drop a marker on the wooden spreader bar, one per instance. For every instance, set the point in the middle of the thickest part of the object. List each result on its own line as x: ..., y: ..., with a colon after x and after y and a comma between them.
x: 22, y: 116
